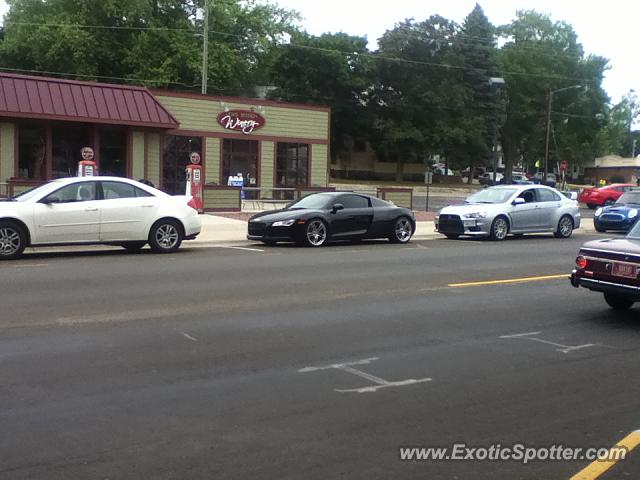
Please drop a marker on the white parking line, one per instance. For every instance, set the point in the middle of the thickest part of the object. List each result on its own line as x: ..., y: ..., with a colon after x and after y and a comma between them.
x: 379, y: 382
x: 561, y: 348
x: 245, y: 248
x: 186, y: 335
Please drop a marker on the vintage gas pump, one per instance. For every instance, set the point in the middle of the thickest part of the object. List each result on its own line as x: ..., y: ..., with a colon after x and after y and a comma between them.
x: 87, y: 167
x: 194, y: 181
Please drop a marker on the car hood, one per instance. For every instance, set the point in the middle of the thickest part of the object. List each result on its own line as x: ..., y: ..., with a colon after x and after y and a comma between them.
x: 277, y: 215
x: 473, y: 207
x: 622, y: 245
x: 624, y: 209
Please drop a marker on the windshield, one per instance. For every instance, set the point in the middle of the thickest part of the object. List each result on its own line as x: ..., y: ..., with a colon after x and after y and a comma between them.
x: 492, y: 195
x: 313, y: 201
x: 629, y: 197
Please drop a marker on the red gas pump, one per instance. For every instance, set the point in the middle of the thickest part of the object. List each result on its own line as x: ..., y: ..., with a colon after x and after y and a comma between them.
x: 194, y: 182
x: 87, y: 167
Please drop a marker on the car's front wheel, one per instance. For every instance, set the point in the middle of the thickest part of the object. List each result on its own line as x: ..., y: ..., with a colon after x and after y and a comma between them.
x: 315, y: 233
x: 499, y: 229
x: 13, y: 240
x: 565, y: 227
x: 618, y: 302
x: 402, y: 231
x: 165, y: 236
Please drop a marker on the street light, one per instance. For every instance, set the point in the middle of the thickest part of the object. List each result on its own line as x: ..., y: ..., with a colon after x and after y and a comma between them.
x: 546, y: 143
x: 497, y: 82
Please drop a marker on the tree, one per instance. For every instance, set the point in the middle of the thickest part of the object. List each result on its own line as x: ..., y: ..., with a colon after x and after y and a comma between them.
x: 153, y: 42
x: 541, y: 57
x: 334, y: 70
x: 476, y: 46
x: 418, y: 97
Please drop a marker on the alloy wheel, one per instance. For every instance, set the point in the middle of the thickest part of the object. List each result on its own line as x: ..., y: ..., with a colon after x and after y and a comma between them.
x: 500, y: 229
x: 167, y: 236
x: 316, y: 233
x: 10, y: 241
x: 403, y: 230
x: 565, y: 227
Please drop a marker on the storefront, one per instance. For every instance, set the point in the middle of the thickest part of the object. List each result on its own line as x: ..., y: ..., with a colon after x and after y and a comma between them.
x: 138, y: 133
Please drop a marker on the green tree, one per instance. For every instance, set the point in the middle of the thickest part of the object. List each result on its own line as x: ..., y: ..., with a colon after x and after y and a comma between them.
x: 154, y: 42
x: 419, y: 94
x: 542, y: 58
x: 333, y: 70
x: 476, y: 44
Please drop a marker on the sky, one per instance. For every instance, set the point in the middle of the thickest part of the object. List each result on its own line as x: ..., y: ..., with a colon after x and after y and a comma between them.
x: 606, y: 28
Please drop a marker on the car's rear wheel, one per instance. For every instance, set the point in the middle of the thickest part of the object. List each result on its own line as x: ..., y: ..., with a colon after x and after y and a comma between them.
x: 618, y: 302
x: 315, y: 233
x: 13, y: 240
x: 565, y: 227
x: 165, y: 236
x: 402, y: 231
x: 499, y: 229
x: 609, y: 202
x: 591, y: 206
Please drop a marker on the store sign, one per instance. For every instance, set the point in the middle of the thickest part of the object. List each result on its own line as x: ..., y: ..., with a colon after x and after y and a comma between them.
x: 245, y: 121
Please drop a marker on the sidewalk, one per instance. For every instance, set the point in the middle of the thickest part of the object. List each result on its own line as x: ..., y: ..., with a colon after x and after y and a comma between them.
x: 218, y: 230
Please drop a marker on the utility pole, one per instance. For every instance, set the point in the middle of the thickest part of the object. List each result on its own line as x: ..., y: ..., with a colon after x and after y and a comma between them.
x: 205, y: 46
x: 546, y: 142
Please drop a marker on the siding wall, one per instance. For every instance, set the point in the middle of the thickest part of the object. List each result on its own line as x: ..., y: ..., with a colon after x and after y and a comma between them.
x: 267, y: 164
x: 201, y: 115
x: 319, y: 158
x: 153, y: 157
x: 7, y: 151
x: 212, y: 161
x: 137, y: 157
x: 221, y: 199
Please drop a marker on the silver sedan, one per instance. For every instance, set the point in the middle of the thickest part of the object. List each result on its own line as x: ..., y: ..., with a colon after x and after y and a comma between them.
x: 511, y: 209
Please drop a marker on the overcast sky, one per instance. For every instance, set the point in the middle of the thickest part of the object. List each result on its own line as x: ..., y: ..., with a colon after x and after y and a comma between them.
x: 604, y: 28
x: 609, y: 28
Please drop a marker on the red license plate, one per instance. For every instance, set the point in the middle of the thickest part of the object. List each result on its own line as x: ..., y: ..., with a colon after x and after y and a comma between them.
x: 624, y: 270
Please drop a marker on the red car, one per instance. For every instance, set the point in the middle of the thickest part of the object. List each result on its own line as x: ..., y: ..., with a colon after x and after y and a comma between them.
x: 597, y: 197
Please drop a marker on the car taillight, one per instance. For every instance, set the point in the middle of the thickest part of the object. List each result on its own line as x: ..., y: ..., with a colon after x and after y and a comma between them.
x: 192, y: 204
x: 581, y: 262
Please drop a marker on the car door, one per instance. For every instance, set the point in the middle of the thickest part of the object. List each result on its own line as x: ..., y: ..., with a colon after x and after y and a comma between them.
x: 354, y: 219
x: 549, y: 203
x: 126, y: 211
x: 68, y: 215
x: 524, y: 216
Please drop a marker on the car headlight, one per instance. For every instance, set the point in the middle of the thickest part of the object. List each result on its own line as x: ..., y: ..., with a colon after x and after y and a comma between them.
x: 476, y: 215
x: 598, y: 212
x: 633, y: 213
x: 284, y: 223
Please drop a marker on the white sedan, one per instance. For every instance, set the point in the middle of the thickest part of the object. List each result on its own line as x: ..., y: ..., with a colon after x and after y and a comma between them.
x: 88, y: 210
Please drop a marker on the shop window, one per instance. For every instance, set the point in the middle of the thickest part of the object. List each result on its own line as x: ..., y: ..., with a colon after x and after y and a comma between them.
x: 113, y: 151
x: 241, y: 157
x: 292, y: 166
x: 175, y: 158
x: 67, y: 144
x: 31, y: 152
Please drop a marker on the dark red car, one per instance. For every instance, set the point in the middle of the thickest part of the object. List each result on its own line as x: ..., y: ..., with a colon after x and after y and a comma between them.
x: 597, y: 197
x: 612, y: 267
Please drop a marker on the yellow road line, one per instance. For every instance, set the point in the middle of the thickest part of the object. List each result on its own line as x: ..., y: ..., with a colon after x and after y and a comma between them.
x: 511, y: 280
x: 597, y: 468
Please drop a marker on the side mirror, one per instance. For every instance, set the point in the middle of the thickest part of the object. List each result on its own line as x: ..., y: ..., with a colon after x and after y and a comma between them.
x: 336, y: 207
x: 50, y: 200
x: 518, y: 201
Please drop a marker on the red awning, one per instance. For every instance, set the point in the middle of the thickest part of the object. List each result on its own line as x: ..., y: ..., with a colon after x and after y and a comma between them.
x: 24, y: 96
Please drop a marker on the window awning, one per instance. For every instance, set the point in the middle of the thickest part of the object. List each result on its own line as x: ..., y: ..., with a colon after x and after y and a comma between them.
x: 23, y: 96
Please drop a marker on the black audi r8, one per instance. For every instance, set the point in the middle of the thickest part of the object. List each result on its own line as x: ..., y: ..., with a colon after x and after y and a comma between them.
x: 321, y: 217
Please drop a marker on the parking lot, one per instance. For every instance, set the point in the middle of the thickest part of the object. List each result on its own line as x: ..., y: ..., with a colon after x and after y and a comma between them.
x: 284, y: 362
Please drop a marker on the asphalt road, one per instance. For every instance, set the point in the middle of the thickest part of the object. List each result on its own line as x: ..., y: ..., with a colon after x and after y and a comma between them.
x: 201, y: 365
